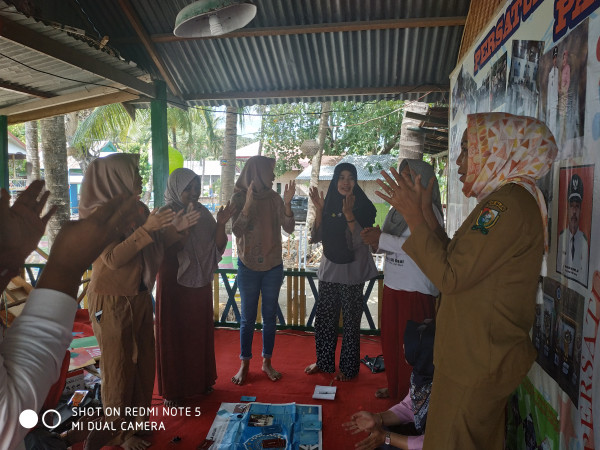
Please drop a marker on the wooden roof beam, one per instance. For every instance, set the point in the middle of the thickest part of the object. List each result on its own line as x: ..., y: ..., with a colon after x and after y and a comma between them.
x: 390, y: 24
x: 300, y: 93
x: 64, y: 104
x: 426, y: 118
x: 31, y: 39
x: 24, y: 89
x: 137, y: 25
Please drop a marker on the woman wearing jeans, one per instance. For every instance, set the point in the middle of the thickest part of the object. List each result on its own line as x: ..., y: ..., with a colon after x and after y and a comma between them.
x: 260, y: 215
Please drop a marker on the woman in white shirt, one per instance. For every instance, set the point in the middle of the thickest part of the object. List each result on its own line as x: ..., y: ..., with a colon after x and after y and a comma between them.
x: 407, y: 294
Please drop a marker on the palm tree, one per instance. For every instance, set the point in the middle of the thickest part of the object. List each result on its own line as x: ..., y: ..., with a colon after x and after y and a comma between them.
x: 33, y: 154
x: 316, y: 160
x: 54, y: 148
x: 229, y: 147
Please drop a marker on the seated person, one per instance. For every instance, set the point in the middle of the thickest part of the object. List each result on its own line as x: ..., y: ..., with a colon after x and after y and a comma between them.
x: 418, y: 347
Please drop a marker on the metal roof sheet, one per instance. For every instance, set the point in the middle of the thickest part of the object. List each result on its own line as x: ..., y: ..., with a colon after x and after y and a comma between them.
x: 367, y: 167
x: 292, y: 51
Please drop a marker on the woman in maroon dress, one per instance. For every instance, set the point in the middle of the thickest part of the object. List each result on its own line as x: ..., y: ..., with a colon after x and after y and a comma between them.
x: 185, y: 354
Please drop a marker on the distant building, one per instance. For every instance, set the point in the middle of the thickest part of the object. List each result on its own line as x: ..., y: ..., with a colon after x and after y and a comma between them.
x: 368, y: 169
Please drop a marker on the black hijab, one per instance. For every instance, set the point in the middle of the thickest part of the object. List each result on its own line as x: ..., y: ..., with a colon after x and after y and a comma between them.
x: 418, y: 351
x: 335, y: 243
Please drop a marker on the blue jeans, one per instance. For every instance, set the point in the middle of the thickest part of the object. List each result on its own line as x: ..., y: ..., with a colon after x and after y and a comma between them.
x: 252, y: 284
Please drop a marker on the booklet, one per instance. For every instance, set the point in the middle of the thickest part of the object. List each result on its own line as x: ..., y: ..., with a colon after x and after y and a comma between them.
x: 325, y: 392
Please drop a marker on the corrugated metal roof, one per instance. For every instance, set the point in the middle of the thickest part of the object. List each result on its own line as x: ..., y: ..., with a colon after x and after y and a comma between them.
x: 29, y: 69
x: 367, y: 167
x: 333, y: 62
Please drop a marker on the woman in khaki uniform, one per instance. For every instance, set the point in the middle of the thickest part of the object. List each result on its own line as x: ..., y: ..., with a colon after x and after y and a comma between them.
x: 487, y: 275
x: 120, y: 305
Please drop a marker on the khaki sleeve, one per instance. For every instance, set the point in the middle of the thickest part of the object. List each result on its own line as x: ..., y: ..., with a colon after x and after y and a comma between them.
x: 118, y: 254
x: 476, y: 252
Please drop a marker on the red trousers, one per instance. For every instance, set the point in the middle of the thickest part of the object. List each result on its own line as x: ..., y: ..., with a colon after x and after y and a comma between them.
x: 399, y: 307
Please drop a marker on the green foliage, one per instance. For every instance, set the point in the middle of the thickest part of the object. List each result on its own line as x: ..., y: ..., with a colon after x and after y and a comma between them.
x: 175, y: 159
x: 18, y: 131
x: 355, y: 128
x: 382, y: 210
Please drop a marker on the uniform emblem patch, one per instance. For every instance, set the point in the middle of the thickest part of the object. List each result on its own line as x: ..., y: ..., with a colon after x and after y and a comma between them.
x: 488, y: 217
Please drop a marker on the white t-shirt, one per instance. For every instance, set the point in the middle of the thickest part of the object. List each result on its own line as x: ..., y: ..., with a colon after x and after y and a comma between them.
x: 31, y: 355
x: 401, y: 272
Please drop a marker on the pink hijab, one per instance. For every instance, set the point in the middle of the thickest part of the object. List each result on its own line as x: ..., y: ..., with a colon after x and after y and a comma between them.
x: 504, y: 148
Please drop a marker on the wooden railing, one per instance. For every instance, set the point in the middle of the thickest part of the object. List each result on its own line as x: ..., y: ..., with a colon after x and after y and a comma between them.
x: 297, y: 314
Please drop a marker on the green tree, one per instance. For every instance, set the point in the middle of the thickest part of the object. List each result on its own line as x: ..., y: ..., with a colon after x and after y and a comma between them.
x: 354, y: 128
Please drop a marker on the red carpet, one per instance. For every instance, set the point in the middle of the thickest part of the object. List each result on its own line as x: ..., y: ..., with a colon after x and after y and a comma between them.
x: 294, y: 350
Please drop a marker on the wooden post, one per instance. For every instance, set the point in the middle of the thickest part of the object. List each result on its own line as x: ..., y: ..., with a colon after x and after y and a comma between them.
x: 296, y: 298
x: 289, y: 298
x: 160, y: 142
x: 303, y: 300
x: 4, y: 183
x: 379, y: 301
x: 216, y: 297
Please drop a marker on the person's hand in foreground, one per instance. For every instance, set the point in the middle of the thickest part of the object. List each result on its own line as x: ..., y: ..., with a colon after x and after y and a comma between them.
x: 288, y: 194
x: 22, y: 226
x: 366, y: 422
x: 80, y: 242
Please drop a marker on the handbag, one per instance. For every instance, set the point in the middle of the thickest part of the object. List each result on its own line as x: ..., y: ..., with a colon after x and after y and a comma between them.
x: 375, y: 364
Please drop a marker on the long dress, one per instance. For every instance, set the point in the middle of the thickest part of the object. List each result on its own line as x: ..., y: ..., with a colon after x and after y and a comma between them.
x: 185, y: 350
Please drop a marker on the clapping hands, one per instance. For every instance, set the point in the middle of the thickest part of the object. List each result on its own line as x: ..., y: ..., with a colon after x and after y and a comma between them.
x: 187, y: 218
x: 225, y: 213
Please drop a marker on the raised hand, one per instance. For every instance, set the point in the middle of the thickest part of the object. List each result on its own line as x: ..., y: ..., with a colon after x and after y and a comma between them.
x: 225, y: 213
x: 288, y: 192
x: 158, y: 220
x: 249, y: 199
x: 21, y: 226
x: 347, y: 207
x: 404, y: 195
x: 69, y: 258
x: 182, y: 221
x: 317, y: 198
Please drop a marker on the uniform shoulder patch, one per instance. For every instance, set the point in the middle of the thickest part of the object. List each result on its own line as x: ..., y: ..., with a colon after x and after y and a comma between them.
x: 489, y: 216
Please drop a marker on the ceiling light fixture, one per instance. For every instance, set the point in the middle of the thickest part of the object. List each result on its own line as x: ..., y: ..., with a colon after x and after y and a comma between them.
x: 205, y: 18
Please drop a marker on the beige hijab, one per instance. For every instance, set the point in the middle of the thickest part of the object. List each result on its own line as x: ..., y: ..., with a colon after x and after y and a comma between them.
x: 107, y: 178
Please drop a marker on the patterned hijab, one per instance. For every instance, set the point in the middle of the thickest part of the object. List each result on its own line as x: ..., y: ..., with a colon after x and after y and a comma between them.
x: 504, y: 148
x: 394, y: 222
x: 418, y: 351
x: 335, y: 244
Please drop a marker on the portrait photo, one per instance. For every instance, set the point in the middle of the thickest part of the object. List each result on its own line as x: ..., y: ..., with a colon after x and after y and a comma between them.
x: 574, y: 222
